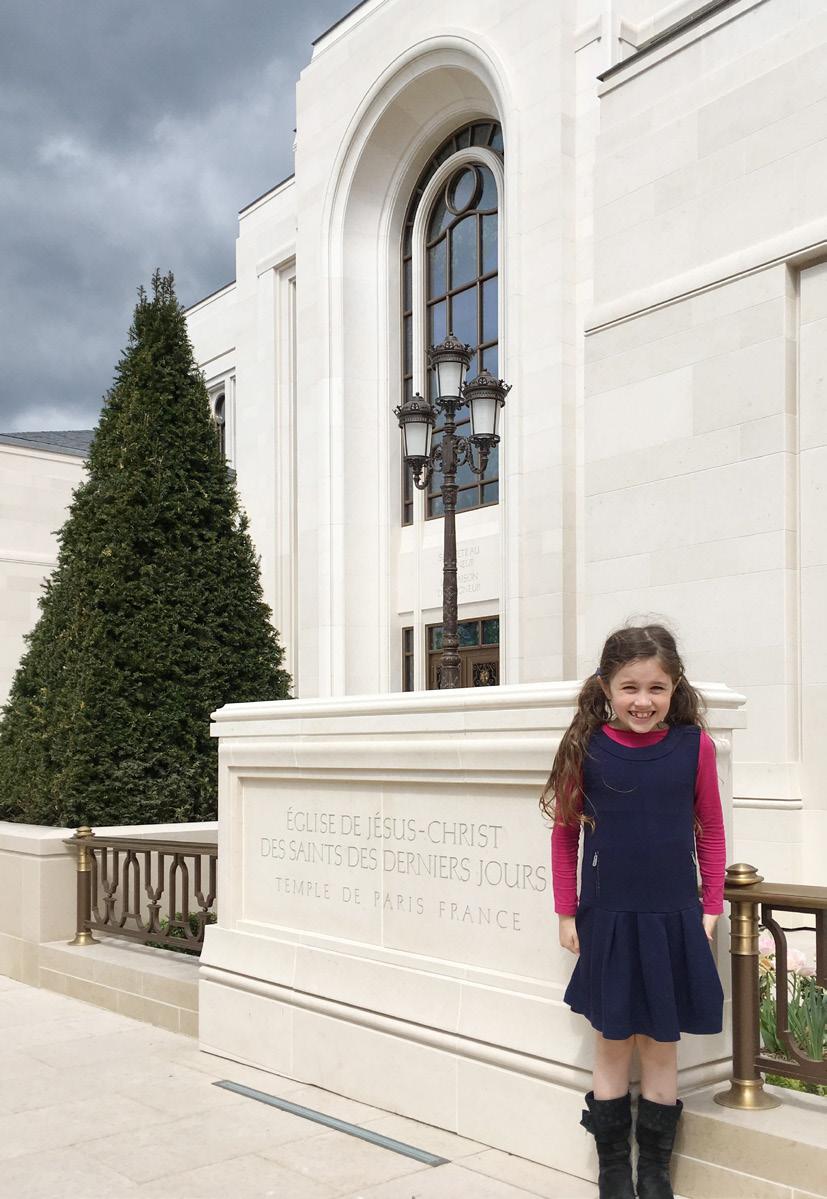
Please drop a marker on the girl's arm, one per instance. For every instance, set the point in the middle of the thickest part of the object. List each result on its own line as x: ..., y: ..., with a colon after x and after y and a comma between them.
x: 565, y: 841
x: 711, y: 841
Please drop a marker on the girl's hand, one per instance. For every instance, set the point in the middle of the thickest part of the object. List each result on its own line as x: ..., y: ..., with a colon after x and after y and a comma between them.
x: 709, y: 922
x: 568, y: 934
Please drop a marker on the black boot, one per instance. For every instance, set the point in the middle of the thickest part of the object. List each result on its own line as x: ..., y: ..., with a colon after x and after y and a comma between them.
x: 656, y: 1127
x: 610, y: 1123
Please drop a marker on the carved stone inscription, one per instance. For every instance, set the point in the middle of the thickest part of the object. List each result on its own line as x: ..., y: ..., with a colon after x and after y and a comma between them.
x: 468, y: 570
x: 459, y: 872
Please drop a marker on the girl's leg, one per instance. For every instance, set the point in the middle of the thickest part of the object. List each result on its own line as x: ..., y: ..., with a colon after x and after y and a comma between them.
x: 658, y: 1069
x: 609, y: 1116
x: 612, y: 1062
x: 658, y: 1113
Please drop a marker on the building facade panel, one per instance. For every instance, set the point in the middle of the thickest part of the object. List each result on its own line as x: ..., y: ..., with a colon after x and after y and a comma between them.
x: 660, y: 317
x: 35, y: 491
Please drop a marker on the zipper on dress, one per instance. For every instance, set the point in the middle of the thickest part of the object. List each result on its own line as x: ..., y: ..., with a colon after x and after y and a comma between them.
x: 596, y: 866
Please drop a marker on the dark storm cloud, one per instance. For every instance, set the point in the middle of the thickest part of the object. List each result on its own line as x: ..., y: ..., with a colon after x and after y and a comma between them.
x: 130, y: 134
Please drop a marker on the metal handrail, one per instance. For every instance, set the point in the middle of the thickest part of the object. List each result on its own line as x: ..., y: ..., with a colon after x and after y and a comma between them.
x: 150, y: 843
x: 112, y: 871
x: 753, y: 904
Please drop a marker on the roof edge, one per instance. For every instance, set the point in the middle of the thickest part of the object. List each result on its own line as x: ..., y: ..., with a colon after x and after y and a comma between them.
x: 336, y: 24
x: 671, y: 31
x: 40, y: 442
x: 270, y: 191
x: 210, y: 296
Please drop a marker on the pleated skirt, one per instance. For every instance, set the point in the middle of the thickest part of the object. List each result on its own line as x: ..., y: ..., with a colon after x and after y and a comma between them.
x: 645, y: 972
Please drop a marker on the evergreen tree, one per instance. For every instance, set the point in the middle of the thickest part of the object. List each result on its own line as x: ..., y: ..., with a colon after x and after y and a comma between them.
x: 154, y: 616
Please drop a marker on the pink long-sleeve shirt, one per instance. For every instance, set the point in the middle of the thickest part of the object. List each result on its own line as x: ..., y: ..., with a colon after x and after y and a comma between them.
x: 710, y: 841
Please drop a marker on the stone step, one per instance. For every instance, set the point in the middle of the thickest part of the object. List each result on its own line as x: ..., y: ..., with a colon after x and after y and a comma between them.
x: 720, y: 1154
x: 777, y: 1154
x: 153, y: 985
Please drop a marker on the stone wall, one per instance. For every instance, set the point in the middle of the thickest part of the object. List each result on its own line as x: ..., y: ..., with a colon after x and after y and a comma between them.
x: 703, y: 426
x: 38, y: 891
x: 386, y: 925
x: 36, y: 488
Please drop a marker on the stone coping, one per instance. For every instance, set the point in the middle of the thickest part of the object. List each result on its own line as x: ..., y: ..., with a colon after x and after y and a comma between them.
x: 793, y: 1119
x: 467, y: 703
x: 42, y: 841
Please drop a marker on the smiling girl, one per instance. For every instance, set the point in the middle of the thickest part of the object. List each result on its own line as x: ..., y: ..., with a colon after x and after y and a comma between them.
x: 636, y: 772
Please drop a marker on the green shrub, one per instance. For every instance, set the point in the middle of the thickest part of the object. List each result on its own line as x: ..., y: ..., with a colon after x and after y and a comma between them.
x: 193, y: 922
x: 154, y: 616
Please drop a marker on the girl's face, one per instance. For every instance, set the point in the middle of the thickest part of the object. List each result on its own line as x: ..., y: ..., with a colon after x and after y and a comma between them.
x: 640, y: 693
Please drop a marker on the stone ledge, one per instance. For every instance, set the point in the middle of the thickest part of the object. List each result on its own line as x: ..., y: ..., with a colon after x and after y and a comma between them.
x: 147, y: 984
x: 777, y: 1154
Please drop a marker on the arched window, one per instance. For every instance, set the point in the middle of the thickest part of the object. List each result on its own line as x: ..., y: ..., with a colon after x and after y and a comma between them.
x: 220, y: 423
x: 221, y: 393
x: 454, y: 262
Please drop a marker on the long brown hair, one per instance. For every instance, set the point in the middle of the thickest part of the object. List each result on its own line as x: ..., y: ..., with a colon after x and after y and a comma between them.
x: 561, y: 797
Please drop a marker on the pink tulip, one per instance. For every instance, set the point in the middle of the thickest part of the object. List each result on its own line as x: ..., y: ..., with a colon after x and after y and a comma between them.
x: 796, y: 961
x: 766, y: 944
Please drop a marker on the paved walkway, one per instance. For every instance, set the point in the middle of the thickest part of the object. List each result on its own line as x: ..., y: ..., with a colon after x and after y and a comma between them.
x: 93, y: 1104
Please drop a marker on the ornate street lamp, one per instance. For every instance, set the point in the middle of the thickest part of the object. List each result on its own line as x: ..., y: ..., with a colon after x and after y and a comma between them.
x: 485, y: 396
x: 449, y: 361
x: 416, y: 420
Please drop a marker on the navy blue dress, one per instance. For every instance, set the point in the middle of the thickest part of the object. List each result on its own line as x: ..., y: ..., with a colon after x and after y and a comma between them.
x: 645, y: 964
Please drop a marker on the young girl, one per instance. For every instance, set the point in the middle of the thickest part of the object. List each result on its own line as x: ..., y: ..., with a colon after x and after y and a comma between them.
x: 637, y: 773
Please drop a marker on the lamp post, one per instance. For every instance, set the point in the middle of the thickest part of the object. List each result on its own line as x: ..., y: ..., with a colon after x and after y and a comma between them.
x: 485, y: 396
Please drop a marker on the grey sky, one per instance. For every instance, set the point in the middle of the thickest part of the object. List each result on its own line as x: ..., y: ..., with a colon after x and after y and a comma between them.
x: 130, y: 135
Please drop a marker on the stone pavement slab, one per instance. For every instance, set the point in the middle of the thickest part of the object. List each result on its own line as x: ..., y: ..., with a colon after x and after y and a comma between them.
x: 94, y: 1104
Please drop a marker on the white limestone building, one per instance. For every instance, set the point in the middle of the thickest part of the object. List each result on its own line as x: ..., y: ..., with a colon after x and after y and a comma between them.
x: 38, y: 473
x: 639, y: 246
x: 647, y: 188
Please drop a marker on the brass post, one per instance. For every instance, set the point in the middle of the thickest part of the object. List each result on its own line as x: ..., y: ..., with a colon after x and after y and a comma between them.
x: 84, y: 887
x: 746, y: 1089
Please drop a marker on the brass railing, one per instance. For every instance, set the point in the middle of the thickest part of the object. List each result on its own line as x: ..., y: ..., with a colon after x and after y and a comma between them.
x: 753, y: 905
x: 159, y: 892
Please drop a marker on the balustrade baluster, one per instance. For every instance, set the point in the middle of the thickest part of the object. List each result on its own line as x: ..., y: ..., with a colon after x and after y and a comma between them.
x: 84, y: 890
x: 102, y: 877
x: 746, y: 890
